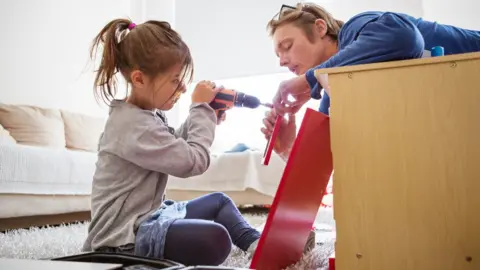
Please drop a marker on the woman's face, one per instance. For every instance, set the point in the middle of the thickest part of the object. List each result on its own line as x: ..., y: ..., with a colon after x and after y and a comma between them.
x: 296, y: 51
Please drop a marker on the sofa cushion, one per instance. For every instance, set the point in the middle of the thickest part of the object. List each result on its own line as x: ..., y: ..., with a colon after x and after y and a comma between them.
x: 82, y: 132
x: 5, y: 137
x: 33, y: 125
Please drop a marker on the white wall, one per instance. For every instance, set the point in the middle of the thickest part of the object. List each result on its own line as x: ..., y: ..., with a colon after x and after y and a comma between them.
x: 143, y: 10
x: 345, y: 9
x: 44, y: 51
x: 228, y: 38
x: 461, y: 13
x: 44, y: 44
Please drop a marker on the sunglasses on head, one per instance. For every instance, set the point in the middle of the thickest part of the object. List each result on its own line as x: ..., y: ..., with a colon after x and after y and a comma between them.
x: 286, y: 7
x: 283, y: 9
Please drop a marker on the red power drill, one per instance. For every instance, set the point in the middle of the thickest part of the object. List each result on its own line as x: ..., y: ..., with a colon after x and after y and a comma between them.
x: 227, y: 99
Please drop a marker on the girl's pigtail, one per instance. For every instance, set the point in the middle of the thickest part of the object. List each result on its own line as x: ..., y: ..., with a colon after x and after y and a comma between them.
x: 105, y: 85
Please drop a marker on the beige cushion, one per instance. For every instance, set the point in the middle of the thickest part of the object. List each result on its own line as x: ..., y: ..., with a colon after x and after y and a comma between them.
x: 82, y: 132
x: 5, y: 137
x: 32, y: 125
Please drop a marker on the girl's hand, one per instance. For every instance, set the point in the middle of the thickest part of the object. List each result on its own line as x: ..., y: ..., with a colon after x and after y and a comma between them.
x: 205, y: 91
x: 222, y: 118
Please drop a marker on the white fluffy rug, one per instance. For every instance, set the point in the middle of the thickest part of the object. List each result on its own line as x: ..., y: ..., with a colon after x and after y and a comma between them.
x: 50, y: 242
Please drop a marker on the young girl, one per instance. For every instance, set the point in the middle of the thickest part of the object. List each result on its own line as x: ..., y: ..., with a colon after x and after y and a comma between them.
x: 138, y: 150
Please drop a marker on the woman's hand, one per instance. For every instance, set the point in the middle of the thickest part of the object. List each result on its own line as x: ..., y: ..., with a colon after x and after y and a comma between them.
x: 298, y: 88
x: 286, y: 134
x: 205, y: 91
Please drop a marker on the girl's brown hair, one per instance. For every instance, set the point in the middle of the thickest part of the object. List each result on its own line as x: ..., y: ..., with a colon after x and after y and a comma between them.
x: 304, y: 16
x: 152, y: 47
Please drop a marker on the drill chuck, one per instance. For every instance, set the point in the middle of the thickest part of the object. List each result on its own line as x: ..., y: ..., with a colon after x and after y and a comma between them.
x: 227, y: 98
x: 247, y: 101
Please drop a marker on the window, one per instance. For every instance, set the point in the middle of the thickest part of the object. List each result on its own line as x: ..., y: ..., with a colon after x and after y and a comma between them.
x: 243, y: 125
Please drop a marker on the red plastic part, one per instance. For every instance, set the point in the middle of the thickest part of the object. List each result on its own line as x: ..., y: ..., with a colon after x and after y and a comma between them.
x: 269, y: 148
x: 299, y: 196
x: 331, y: 263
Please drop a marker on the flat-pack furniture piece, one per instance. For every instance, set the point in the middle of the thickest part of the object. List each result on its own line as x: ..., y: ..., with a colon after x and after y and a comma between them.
x: 124, y: 261
x: 116, y: 261
x: 406, y: 152
x: 17, y: 264
x: 271, y: 142
x: 298, y: 197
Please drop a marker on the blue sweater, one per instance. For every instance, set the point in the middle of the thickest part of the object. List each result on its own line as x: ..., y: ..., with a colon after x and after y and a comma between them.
x: 372, y: 37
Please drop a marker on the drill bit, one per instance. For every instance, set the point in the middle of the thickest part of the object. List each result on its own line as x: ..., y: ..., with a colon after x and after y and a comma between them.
x: 268, y: 105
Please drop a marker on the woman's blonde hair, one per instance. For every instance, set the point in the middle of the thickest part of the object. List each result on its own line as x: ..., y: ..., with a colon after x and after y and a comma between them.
x: 304, y: 16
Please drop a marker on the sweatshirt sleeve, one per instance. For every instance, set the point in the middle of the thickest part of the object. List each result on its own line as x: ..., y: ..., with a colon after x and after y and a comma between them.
x: 157, y: 149
x: 182, y: 131
x: 389, y: 37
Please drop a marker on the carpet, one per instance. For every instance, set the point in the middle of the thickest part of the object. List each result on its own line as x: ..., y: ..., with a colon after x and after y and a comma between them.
x: 63, y: 240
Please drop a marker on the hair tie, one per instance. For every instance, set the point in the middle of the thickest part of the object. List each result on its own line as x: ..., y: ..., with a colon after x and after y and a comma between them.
x: 131, y: 26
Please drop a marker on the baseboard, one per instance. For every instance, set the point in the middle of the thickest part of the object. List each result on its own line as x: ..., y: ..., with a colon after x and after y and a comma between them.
x: 42, y: 220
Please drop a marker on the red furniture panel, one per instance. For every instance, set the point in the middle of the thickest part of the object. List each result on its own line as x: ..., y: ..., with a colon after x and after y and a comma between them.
x: 299, y: 196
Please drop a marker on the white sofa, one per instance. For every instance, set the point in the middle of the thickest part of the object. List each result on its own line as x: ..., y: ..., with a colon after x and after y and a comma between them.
x: 47, y: 160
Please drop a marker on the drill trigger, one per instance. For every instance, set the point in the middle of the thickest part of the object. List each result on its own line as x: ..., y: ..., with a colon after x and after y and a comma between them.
x: 218, y: 105
x: 220, y: 113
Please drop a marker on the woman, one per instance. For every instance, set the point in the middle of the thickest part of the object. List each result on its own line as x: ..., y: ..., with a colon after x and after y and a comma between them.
x: 307, y: 38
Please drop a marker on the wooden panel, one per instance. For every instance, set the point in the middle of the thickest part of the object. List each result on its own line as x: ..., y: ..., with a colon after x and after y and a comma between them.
x: 406, y: 154
x: 299, y: 196
x: 398, y: 64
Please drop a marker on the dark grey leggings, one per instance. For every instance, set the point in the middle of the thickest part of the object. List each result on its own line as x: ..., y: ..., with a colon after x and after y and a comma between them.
x: 205, y: 236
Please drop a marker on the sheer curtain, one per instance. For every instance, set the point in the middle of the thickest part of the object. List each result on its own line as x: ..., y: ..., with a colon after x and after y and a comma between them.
x: 243, y: 125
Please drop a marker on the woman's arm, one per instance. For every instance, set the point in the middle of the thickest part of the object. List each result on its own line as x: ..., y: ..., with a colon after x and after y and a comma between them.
x: 390, y: 37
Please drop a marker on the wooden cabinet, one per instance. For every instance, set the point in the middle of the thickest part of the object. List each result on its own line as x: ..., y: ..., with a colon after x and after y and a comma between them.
x: 405, y: 139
